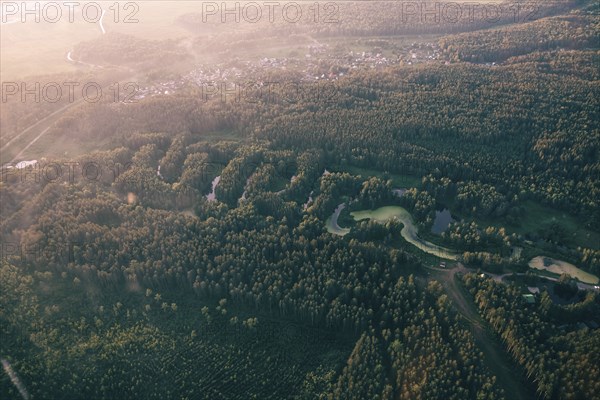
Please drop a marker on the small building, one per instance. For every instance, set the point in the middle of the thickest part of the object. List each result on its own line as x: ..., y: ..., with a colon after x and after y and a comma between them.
x: 529, y: 298
x: 533, y: 289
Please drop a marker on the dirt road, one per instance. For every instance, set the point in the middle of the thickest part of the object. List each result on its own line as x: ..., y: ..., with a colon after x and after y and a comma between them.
x: 498, y: 361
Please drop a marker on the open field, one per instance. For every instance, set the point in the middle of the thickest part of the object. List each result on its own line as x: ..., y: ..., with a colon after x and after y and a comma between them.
x: 40, y: 48
x: 538, y: 218
x: 30, y: 48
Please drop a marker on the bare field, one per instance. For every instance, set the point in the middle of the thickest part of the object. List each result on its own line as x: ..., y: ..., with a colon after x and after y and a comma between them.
x: 562, y: 267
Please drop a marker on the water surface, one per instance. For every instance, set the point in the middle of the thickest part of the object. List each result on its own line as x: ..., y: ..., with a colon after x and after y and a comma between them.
x: 212, y: 196
x: 383, y: 214
x: 442, y: 221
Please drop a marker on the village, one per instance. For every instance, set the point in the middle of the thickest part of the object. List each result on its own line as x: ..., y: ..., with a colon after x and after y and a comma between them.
x: 318, y: 63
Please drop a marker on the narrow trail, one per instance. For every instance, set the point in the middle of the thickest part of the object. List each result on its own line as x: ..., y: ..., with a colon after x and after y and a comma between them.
x: 41, y: 121
x: 30, y: 144
x: 495, y: 357
x: 48, y: 120
x: 71, y: 59
x: 38, y: 129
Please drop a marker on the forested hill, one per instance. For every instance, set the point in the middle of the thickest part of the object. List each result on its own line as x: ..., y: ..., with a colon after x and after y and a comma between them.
x: 193, y: 252
x: 506, y: 124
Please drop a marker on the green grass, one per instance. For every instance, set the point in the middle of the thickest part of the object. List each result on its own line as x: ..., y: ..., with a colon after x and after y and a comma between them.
x: 538, y: 217
x: 408, y: 232
x: 217, y: 136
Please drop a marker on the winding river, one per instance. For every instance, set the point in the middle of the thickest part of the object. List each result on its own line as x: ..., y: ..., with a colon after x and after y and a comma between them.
x: 212, y: 196
x: 332, y: 222
x: 410, y: 233
x: 383, y: 214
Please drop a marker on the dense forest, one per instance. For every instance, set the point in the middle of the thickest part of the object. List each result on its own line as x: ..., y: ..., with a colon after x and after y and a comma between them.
x: 563, y: 364
x: 257, y: 256
x: 187, y: 252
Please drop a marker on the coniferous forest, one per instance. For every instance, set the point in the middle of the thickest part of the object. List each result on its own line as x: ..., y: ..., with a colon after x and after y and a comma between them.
x: 366, y: 203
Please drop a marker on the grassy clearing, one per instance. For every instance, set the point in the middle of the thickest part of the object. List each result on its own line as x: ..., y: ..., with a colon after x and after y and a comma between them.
x: 217, y: 136
x: 539, y: 218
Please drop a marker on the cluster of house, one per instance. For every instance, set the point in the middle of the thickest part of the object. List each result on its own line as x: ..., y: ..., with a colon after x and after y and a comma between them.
x: 414, y: 53
x: 155, y: 89
x: 310, y: 67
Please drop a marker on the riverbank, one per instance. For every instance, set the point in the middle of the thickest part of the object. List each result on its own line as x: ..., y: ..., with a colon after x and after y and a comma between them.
x: 384, y: 214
